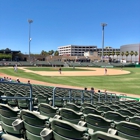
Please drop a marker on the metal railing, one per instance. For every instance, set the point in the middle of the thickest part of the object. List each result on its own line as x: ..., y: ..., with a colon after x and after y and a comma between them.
x: 20, y: 98
x: 82, y: 95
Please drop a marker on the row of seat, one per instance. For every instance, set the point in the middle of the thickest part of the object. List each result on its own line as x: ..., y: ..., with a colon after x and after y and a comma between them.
x: 32, y: 126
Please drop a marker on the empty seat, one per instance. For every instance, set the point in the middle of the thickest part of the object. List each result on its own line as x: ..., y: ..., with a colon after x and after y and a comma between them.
x: 42, y: 98
x: 73, y: 106
x: 97, y: 123
x: 70, y: 115
x: 135, y: 119
x: 63, y: 130
x: 91, y: 110
x: 34, y: 124
x: 88, y: 105
x: 115, y: 116
x: 8, y: 115
x: 128, y: 130
x: 134, y: 110
x: 99, y: 135
x: 47, y: 110
x: 22, y: 103
x: 125, y: 112
x: 114, y: 107
x: 104, y: 108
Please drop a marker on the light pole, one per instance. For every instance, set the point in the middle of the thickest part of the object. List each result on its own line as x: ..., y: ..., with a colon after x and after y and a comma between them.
x: 103, y: 25
x: 29, y: 21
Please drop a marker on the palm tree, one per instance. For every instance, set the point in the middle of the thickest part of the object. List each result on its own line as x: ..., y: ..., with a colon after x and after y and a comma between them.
x: 56, y: 53
x: 113, y: 53
x: 117, y: 53
x: 126, y: 54
x: 135, y: 53
x: 42, y: 52
x: 51, y: 52
x: 131, y: 53
x: 122, y: 54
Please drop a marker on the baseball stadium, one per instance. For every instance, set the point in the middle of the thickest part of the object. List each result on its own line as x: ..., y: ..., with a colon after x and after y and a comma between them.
x: 71, y: 96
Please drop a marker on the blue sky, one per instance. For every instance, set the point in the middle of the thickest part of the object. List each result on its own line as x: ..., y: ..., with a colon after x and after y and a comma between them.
x: 64, y: 22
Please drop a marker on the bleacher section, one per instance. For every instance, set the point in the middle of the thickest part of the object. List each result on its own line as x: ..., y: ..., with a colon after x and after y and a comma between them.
x: 65, y: 114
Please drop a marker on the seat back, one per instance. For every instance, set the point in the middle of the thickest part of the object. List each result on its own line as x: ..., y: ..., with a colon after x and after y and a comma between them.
x: 135, y: 119
x: 128, y: 130
x: 47, y: 110
x: 104, y: 136
x: 70, y: 115
x: 8, y: 115
x: 91, y: 110
x: 104, y: 108
x: 73, y: 106
x: 97, y: 123
x: 115, y: 116
x: 22, y: 103
x: 125, y: 112
x: 34, y: 123
x: 64, y: 130
x: 42, y: 98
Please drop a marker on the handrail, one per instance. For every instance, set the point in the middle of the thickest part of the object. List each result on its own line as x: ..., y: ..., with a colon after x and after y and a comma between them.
x: 29, y: 98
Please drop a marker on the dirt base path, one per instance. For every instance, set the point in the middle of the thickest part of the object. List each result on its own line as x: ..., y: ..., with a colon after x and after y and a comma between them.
x: 92, y: 72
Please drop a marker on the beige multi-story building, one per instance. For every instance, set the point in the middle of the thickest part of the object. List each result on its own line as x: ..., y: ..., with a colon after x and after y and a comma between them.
x: 75, y: 50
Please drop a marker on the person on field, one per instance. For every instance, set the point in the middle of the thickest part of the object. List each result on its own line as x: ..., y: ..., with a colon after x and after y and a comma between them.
x: 60, y: 70
x: 105, y: 70
x: 15, y: 68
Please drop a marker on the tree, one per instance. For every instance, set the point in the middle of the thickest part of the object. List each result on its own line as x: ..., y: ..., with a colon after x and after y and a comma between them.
x: 56, y: 53
x: 122, y: 54
x: 117, y: 53
x: 51, y: 52
x: 126, y: 54
x: 135, y: 53
x: 42, y: 52
x: 131, y: 53
x: 113, y: 53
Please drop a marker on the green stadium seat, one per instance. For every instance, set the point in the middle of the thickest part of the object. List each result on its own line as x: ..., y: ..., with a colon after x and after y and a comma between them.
x: 73, y: 106
x: 135, y: 119
x: 88, y: 105
x: 47, y: 110
x: 34, y: 124
x: 133, y: 110
x: 70, y: 115
x: 127, y: 130
x: 125, y: 112
x: 22, y: 103
x: 114, y: 116
x: 11, y: 102
x: 104, y: 108
x: 42, y: 98
x: 10, y: 137
x: 122, y: 106
x: 8, y: 115
x: 97, y: 123
x: 114, y: 107
x: 63, y: 130
x: 99, y: 135
x: 91, y: 110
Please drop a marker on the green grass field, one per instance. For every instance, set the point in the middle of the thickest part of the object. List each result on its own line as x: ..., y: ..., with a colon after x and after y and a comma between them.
x: 55, y: 69
x: 129, y: 83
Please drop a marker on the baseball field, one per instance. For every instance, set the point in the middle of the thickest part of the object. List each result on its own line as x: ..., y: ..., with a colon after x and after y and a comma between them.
x: 116, y: 80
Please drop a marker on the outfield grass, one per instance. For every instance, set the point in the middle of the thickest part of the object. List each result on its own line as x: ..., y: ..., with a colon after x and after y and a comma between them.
x: 56, y: 69
x: 129, y: 83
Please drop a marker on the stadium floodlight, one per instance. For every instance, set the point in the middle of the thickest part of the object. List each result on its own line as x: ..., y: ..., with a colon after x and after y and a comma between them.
x: 29, y: 21
x: 103, y: 25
